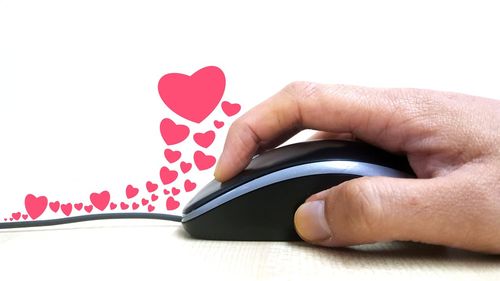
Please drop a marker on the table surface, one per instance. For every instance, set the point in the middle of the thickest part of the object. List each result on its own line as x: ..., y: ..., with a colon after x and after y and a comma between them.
x: 158, y: 250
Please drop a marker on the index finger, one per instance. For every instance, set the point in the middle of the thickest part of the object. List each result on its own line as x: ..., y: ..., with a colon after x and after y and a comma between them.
x: 366, y: 113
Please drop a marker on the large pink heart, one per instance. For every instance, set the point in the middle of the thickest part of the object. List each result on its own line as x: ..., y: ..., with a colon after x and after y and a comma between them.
x: 193, y: 97
x: 100, y: 200
x: 35, y: 206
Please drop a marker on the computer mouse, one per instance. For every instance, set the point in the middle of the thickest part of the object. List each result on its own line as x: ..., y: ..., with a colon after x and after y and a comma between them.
x: 259, y: 203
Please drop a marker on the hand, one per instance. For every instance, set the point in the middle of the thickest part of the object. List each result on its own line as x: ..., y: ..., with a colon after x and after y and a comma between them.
x: 452, y: 142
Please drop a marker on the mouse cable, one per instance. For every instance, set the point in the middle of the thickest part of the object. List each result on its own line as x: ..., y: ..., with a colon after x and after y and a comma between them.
x: 35, y: 223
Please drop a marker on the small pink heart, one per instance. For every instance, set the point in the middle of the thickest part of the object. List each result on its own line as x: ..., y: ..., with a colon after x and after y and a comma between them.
x: 54, y: 206
x: 151, y: 208
x: 112, y: 206
x: 185, y: 167
x: 11, y: 219
x: 78, y: 206
x: 88, y: 208
x: 154, y: 197
x: 167, y: 176
x: 124, y: 206
x: 66, y: 209
x: 175, y: 191
x: 25, y: 216
x: 230, y: 108
x: 165, y: 191
x: 131, y: 191
x: 16, y: 216
x: 173, y: 133
x: 218, y: 124
x: 135, y: 206
x: 144, y: 202
x: 35, y: 206
x: 172, y: 204
x: 203, y: 161
x: 100, y: 200
x: 204, y: 139
x: 4, y: 219
x: 189, y: 185
x: 151, y: 187
x: 172, y: 155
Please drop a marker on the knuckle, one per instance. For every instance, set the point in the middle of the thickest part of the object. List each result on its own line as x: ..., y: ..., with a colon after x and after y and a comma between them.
x: 235, y: 128
x: 237, y: 125
x: 301, y: 89
x: 363, y: 212
x: 301, y: 95
x: 242, y: 130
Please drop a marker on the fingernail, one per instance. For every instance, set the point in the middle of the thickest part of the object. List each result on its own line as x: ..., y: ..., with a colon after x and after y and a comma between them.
x: 217, y: 168
x: 310, y: 221
x: 216, y: 171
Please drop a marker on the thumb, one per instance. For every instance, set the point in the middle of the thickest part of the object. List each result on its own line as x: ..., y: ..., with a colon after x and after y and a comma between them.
x: 372, y: 209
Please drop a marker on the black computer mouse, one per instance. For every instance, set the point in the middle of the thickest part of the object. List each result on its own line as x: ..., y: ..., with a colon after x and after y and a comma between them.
x: 259, y: 204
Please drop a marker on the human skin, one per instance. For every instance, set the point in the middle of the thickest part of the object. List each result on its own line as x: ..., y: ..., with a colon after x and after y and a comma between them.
x: 452, y: 142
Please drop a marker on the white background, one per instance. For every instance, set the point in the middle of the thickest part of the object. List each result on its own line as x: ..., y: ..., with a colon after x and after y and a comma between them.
x: 79, y: 107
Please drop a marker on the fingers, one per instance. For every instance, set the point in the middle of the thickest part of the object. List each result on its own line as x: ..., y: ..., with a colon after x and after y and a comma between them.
x: 367, y: 210
x: 373, y: 115
x: 264, y: 126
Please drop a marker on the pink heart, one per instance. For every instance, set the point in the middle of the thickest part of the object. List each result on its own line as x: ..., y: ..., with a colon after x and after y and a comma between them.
x: 135, y: 206
x: 175, y: 191
x: 189, y: 185
x: 54, y: 206
x: 35, y: 206
x: 193, y: 97
x: 154, y: 197
x: 173, y: 133
x: 25, y: 216
x: 172, y: 155
x: 16, y: 216
x: 144, y: 201
x: 165, y: 191
x: 167, y: 176
x: 78, y: 206
x: 230, y: 108
x: 66, y: 209
x: 172, y: 204
x: 123, y: 206
x: 112, y: 206
x: 185, y: 167
x: 204, y: 139
x: 218, y: 124
x: 151, y: 208
x: 88, y: 208
x: 151, y: 187
x: 131, y: 191
x: 100, y: 200
x: 203, y: 161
